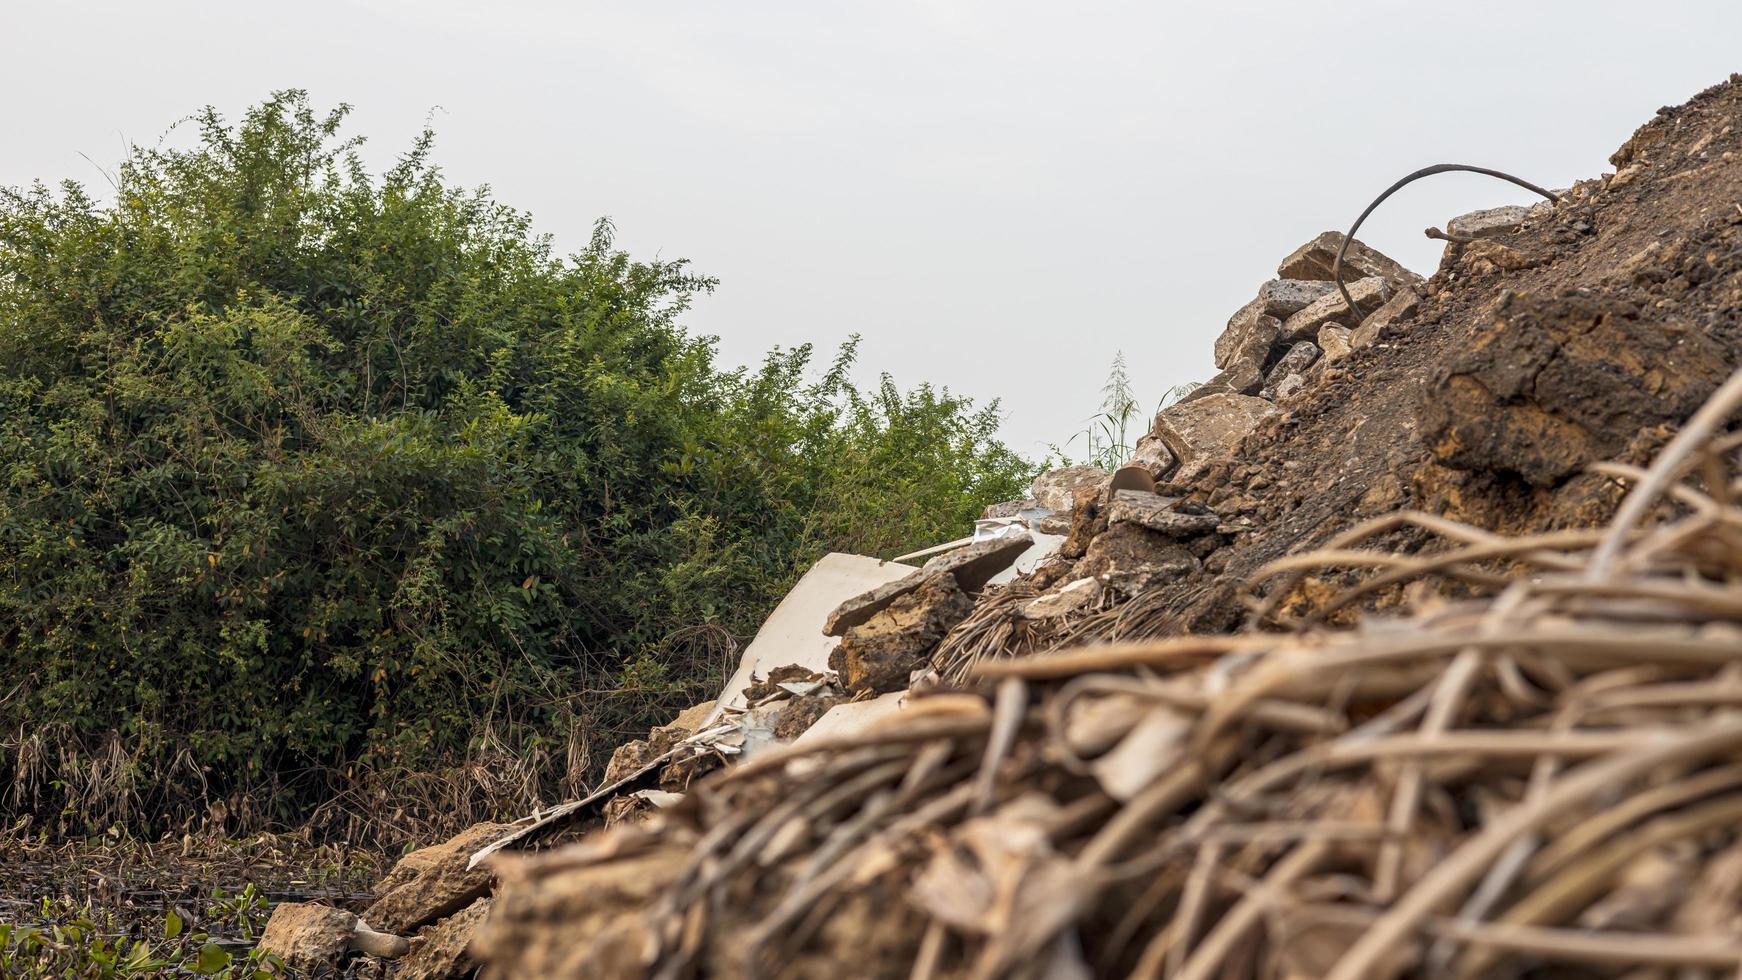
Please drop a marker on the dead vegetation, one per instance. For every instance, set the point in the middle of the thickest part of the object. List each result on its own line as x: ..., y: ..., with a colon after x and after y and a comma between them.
x: 1541, y: 773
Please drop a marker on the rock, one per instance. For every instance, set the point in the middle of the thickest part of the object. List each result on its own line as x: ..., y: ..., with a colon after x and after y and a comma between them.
x: 1369, y: 294
x: 878, y: 655
x: 1245, y: 377
x: 1300, y: 356
x: 1313, y: 261
x: 1484, y: 257
x: 311, y: 939
x: 1205, y: 430
x: 629, y: 758
x: 1334, y: 341
x: 1067, y: 599
x: 972, y: 566
x: 1057, y: 522
x: 1088, y: 518
x: 1129, y: 559
x: 576, y: 912
x: 1008, y: 508
x: 438, y: 883
x: 1401, y: 304
x: 1489, y: 222
x: 1286, y: 387
x: 440, y: 951
x: 1157, y: 514
x: 1153, y: 455
x: 1053, y: 490
x: 1277, y: 298
x: 1248, y: 338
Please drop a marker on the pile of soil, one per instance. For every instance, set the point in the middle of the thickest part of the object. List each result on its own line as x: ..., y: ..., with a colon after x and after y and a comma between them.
x: 1177, y: 777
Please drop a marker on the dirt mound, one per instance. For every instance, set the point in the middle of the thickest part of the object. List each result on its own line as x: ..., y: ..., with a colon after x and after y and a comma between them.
x: 1161, y: 748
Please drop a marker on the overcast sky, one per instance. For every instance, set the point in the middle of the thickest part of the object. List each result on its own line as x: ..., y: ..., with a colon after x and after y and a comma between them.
x: 997, y: 195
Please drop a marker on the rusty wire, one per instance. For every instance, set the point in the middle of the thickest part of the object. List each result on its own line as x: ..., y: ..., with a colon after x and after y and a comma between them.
x: 1438, y: 168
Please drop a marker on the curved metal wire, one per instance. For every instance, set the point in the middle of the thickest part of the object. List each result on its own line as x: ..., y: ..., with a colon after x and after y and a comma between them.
x: 1438, y: 168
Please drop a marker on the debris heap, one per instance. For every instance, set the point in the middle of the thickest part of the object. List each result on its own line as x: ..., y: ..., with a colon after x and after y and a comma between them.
x: 1366, y: 665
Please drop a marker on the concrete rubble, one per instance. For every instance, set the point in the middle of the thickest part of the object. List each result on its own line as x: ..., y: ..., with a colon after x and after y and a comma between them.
x: 838, y: 656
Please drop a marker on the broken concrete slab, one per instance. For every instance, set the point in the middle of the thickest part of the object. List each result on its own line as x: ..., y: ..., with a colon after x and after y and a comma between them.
x: 1046, y: 544
x: 1248, y: 337
x: 1152, y: 454
x: 1300, y: 357
x: 1398, y: 307
x: 1129, y: 559
x: 311, y: 938
x: 1313, y: 261
x: 1209, y: 428
x: 1244, y: 377
x: 855, y: 716
x: 878, y: 654
x: 442, y: 884
x: 793, y: 633
x: 1369, y: 294
x: 972, y: 566
x: 1009, y: 508
x: 440, y: 951
x: 1157, y: 514
x: 1054, y: 488
x: 1334, y: 341
x: 1489, y: 222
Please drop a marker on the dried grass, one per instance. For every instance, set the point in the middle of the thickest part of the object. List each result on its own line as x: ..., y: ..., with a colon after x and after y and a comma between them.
x: 1537, y: 776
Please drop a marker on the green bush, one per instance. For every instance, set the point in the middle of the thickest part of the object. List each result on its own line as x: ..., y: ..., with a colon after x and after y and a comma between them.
x: 317, y: 483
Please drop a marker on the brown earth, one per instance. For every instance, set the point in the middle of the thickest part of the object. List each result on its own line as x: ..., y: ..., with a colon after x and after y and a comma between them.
x: 1487, y: 403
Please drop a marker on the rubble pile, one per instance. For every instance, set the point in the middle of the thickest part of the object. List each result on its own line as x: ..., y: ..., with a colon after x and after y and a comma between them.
x: 1353, y: 670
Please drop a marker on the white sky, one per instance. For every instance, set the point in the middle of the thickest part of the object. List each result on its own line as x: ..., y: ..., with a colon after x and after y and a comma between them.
x: 996, y: 195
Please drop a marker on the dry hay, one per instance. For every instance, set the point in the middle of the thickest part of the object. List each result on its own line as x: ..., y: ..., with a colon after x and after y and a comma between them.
x: 1539, y: 778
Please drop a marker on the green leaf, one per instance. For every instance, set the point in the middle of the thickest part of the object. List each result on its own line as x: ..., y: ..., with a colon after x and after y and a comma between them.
x: 172, y: 925
x: 212, y: 958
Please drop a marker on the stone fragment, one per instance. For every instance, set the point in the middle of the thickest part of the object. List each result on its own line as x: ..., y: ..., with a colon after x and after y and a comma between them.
x: 438, y: 883
x: 1053, y: 490
x: 1248, y: 337
x: 1088, y: 518
x: 1313, y: 261
x: 1008, y: 508
x: 1489, y: 222
x: 1369, y: 294
x: 972, y: 566
x: 1157, y: 514
x: 440, y: 951
x: 1401, y: 304
x: 1202, y: 431
x: 1067, y: 599
x: 878, y: 655
x: 311, y: 939
x: 576, y: 912
x: 1245, y: 377
x: 1484, y: 257
x: 1300, y: 356
x: 1057, y: 522
x: 1129, y: 559
x: 1287, y: 387
x: 1334, y: 341
x: 308, y: 938
x: 1153, y: 455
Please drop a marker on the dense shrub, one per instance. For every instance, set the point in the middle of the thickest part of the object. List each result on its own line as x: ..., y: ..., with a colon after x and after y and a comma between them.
x: 314, y: 478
